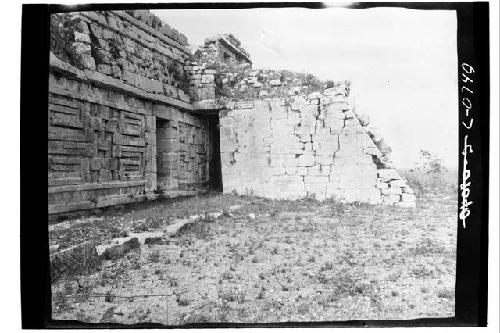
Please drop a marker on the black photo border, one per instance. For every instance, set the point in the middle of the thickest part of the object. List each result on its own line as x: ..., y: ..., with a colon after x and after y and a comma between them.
x: 472, y: 241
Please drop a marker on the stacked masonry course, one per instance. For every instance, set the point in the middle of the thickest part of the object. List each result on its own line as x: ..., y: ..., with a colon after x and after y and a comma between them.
x: 131, y: 116
x: 297, y: 147
x: 120, y: 122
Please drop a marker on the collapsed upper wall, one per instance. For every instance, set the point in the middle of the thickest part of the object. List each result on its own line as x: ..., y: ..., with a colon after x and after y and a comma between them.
x: 297, y: 147
x: 124, y: 48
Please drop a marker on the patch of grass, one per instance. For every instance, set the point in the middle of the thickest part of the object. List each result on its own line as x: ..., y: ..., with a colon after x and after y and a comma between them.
x: 182, y: 300
x: 59, y: 301
x: 326, y: 267
x: 446, y: 293
x: 423, y: 182
x: 428, y: 247
x: 154, y: 256
x: 422, y: 272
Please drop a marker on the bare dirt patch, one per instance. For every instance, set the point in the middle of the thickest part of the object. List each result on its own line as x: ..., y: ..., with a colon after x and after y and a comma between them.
x: 271, y: 261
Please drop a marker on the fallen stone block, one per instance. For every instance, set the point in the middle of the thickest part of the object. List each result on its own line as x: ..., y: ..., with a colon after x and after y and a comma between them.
x: 407, y: 189
x: 118, y: 251
x: 172, y: 229
x: 155, y: 241
x: 215, y: 215
x: 79, y: 259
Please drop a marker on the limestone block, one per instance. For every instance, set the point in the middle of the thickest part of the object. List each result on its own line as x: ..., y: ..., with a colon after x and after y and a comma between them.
x: 308, y: 148
x: 353, y: 177
x: 335, y: 91
x: 397, y: 183
x: 372, y: 151
x: 308, y: 179
x: 314, y: 170
x: 314, y: 95
x: 325, y: 170
x: 318, y: 184
x: 388, y: 174
x: 406, y: 197
x: 391, y: 190
x: 207, y: 78
x: 304, y: 131
x: 276, y: 161
x: 390, y: 198
x: 306, y: 160
x: 293, y: 118
x: 326, y: 147
x: 308, y: 114
x: 364, y: 140
x: 382, y: 185
x: 286, y: 183
x: 278, y: 171
x: 349, y: 143
x: 324, y: 160
x: 353, y: 124
x: 291, y: 170
x: 302, y: 171
x: 280, y: 127
x: 291, y: 162
x: 334, y: 113
x: 345, y: 159
x: 278, y: 111
x: 349, y: 114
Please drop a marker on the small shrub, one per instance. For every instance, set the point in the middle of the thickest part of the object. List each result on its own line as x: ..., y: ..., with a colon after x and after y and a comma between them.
x: 59, y: 301
x: 154, y: 256
x: 446, y: 293
x: 326, y: 267
x: 422, y: 272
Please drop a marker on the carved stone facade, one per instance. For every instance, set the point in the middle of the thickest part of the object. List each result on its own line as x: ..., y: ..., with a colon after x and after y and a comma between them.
x: 133, y: 115
x: 121, y: 124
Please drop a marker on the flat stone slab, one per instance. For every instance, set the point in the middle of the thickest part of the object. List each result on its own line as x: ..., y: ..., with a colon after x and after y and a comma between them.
x: 141, y: 238
x: 78, y: 259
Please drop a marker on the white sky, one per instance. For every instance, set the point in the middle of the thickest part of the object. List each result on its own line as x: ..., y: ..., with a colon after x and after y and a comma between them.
x: 402, y: 63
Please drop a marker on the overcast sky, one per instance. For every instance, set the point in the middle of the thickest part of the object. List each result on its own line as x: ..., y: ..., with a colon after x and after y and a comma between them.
x: 402, y: 63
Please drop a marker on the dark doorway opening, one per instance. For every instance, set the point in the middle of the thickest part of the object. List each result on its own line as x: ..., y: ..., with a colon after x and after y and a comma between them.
x: 162, y: 127
x: 215, y: 168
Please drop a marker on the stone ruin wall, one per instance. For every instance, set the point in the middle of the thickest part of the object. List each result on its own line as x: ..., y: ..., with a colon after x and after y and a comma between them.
x: 289, y: 148
x: 126, y: 121
x: 113, y: 77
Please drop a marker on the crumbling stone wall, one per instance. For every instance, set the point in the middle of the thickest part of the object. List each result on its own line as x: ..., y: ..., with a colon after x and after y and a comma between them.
x: 224, y: 51
x: 113, y: 77
x: 297, y: 147
x: 129, y: 119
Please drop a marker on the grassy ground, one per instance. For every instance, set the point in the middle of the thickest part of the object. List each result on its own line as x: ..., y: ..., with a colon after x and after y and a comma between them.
x: 293, y: 261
